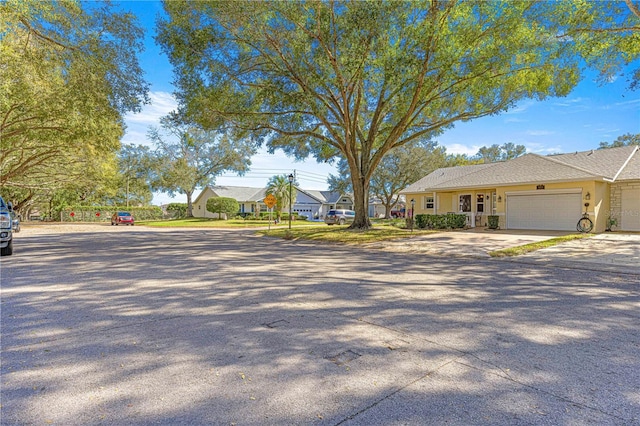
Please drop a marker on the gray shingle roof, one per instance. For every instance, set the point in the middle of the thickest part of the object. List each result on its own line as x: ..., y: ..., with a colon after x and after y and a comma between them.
x: 605, y: 164
x: 602, y: 162
x: 239, y: 193
x: 326, y: 197
x: 631, y: 171
x: 249, y: 194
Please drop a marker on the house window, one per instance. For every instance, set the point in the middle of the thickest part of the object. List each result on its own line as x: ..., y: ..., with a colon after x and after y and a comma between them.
x: 428, y: 202
x: 465, y: 203
x: 480, y: 203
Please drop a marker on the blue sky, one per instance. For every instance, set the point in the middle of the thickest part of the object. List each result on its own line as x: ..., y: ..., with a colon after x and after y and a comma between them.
x: 580, y: 121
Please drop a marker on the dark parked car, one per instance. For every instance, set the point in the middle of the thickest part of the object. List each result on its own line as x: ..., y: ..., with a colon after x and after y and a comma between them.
x: 6, y: 228
x: 339, y: 216
x: 124, y: 218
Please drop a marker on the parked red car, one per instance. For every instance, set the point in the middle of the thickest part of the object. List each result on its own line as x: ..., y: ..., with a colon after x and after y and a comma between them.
x: 124, y: 218
x: 398, y: 213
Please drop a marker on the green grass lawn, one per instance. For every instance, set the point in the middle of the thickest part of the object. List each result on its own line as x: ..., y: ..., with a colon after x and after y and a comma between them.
x: 527, y: 248
x: 198, y: 222
x: 301, y: 229
x: 341, y: 234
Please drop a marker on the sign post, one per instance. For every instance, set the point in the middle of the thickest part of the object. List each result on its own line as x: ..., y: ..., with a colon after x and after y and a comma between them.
x: 270, y: 200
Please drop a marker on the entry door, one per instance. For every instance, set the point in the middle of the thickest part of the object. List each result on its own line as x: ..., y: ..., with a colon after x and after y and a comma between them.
x: 464, y: 206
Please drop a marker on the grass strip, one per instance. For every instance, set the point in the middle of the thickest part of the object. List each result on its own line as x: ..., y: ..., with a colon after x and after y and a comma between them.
x: 341, y: 234
x: 528, y: 248
x: 198, y: 222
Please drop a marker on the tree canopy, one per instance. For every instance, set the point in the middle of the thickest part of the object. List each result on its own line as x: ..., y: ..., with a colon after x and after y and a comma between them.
x: 495, y: 152
x: 355, y: 80
x: 624, y: 140
x: 188, y: 157
x: 69, y: 72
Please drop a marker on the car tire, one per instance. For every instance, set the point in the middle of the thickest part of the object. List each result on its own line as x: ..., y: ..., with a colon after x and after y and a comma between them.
x: 341, y: 222
x: 8, y: 250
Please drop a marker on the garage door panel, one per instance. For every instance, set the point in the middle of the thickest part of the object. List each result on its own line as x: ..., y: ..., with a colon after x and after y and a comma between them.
x: 630, y: 217
x: 553, y: 212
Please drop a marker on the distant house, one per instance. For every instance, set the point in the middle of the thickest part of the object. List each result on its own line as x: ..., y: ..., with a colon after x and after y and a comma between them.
x: 310, y: 203
x: 316, y: 204
x: 250, y: 199
x: 539, y: 192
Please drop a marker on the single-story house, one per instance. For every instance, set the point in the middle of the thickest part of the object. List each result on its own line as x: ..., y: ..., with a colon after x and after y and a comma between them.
x: 316, y: 204
x: 539, y: 192
x: 250, y: 199
x: 310, y: 203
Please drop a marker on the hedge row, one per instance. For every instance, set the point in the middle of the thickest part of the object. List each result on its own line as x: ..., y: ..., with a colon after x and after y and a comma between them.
x: 103, y: 213
x: 441, y: 221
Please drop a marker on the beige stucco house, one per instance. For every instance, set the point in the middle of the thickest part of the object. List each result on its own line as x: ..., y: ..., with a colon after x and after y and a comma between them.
x: 539, y: 192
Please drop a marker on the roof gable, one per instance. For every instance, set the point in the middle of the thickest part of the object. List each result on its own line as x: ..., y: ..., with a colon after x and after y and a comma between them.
x: 631, y: 170
x: 440, y: 177
x: 606, y: 164
x: 238, y: 193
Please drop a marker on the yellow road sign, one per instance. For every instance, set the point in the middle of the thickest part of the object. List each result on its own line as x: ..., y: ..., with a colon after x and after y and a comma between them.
x: 270, y: 200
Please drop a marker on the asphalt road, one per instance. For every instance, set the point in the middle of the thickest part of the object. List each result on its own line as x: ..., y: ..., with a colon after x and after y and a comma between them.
x: 132, y: 326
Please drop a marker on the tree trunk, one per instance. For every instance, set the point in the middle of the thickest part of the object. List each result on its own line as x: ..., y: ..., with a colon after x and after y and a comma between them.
x: 387, y: 211
x: 189, y: 204
x: 361, y: 204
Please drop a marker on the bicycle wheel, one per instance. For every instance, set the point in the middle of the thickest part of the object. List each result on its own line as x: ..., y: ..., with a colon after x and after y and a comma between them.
x: 585, y: 225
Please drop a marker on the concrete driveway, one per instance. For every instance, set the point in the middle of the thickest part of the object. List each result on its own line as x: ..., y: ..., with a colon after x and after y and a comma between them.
x: 609, y: 251
x: 472, y: 242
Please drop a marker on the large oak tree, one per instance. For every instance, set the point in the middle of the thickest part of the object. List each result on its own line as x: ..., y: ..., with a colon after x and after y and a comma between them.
x: 356, y: 79
x: 68, y: 73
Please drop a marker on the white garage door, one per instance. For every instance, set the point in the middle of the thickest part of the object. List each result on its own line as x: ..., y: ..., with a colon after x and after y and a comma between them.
x: 630, y: 217
x: 552, y: 212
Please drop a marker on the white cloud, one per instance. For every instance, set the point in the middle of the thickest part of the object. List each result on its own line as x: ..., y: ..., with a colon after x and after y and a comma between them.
x: 627, y: 104
x: 540, y: 132
x: 537, y: 148
x: 457, y: 148
x: 520, y: 108
x: 571, y: 102
x: 161, y: 104
x: 138, y: 124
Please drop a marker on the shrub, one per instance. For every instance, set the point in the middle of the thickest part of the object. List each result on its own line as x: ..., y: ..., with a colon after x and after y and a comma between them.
x: 177, y: 210
x: 441, y: 221
x: 223, y: 205
x: 493, y: 221
x: 421, y: 221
